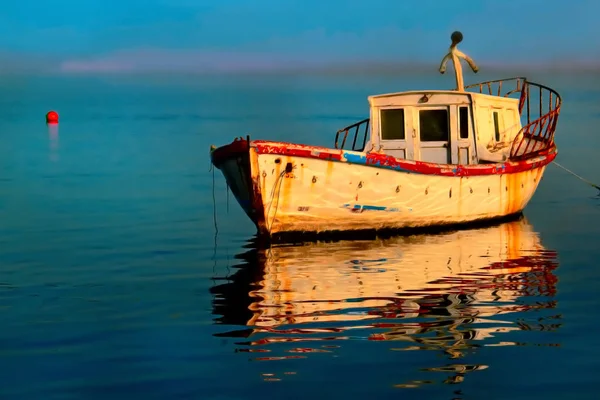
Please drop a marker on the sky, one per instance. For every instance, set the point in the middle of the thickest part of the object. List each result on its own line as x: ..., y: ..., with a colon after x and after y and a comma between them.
x: 112, y: 36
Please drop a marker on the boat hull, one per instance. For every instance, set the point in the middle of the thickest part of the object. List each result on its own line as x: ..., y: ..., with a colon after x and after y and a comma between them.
x: 287, y: 188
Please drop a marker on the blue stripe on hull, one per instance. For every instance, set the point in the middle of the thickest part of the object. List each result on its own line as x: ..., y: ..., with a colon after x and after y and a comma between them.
x: 361, y: 159
x: 365, y: 207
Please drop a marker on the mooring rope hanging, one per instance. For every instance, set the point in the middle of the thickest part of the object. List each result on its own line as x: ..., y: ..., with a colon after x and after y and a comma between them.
x: 214, y: 219
x: 577, y: 176
x: 214, y: 202
x: 277, y: 184
x: 227, y: 191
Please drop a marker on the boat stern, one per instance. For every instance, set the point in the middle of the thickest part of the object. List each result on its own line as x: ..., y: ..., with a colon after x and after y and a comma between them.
x: 237, y: 162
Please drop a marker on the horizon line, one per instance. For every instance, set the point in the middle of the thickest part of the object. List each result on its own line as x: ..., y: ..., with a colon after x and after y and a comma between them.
x: 334, y: 67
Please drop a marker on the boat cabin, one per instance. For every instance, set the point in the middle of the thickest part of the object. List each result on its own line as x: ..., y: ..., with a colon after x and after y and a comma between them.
x: 457, y: 126
x: 443, y: 127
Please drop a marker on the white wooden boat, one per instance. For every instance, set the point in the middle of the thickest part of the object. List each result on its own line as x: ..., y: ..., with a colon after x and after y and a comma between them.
x: 424, y: 158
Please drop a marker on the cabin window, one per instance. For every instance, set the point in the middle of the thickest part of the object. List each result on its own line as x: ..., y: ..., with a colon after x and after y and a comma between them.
x: 392, y: 124
x: 496, y: 126
x: 463, y: 120
x: 433, y: 125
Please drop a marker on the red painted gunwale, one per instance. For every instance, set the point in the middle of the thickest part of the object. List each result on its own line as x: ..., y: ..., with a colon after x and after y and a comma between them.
x: 383, y: 161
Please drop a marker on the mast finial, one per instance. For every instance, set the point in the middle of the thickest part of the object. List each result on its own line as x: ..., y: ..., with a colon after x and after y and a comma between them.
x: 456, y: 55
x: 456, y: 37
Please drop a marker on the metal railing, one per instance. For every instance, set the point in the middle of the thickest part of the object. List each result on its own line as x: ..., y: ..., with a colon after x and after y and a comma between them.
x: 539, y: 123
x: 357, y: 132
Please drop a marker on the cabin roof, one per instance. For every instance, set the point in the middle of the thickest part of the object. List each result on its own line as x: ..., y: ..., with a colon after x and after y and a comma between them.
x: 394, y: 94
x: 489, y: 98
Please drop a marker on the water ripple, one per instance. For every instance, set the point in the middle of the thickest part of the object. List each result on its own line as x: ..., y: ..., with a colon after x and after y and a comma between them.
x: 452, y: 293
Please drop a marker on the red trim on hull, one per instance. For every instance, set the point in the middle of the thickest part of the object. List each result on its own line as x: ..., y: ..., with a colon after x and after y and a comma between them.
x: 377, y: 160
x: 227, y: 151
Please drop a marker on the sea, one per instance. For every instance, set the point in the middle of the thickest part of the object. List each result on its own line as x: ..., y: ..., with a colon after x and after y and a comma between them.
x: 127, y: 269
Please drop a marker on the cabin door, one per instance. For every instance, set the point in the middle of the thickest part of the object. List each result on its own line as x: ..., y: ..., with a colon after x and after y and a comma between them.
x: 393, y: 139
x: 434, y: 134
x: 462, y: 146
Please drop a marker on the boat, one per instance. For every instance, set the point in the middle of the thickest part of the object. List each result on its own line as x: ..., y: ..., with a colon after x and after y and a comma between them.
x: 423, y: 159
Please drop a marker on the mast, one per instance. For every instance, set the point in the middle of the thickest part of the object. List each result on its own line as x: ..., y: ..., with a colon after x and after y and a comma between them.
x: 456, y: 55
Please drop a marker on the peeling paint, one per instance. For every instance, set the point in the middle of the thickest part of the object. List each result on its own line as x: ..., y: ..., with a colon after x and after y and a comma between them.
x: 365, y: 207
x: 377, y: 160
x: 382, y: 161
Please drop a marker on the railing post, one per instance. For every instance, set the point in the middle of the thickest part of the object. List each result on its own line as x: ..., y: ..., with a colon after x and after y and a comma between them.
x: 355, y: 137
x: 528, y: 111
x: 541, y: 102
x: 345, y: 137
x: 365, y: 135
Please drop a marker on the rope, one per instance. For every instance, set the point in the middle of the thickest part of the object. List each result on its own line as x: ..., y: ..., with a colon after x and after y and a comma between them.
x: 211, y: 168
x: 227, y: 191
x: 215, y: 221
x: 278, y: 182
x: 214, y: 202
x: 577, y: 176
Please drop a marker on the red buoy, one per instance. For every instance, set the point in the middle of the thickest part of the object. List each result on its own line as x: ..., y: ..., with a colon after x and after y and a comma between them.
x: 52, y: 117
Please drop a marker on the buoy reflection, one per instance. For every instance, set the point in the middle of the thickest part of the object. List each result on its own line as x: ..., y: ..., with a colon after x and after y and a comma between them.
x: 53, y: 141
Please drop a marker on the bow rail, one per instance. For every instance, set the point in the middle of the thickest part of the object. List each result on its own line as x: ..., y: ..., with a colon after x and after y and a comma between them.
x: 539, y: 107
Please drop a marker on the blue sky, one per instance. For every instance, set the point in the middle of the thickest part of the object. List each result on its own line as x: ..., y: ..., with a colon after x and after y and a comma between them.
x: 132, y: 35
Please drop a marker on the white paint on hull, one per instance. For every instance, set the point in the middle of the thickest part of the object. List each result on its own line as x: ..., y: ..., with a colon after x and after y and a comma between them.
x: 320, y: 195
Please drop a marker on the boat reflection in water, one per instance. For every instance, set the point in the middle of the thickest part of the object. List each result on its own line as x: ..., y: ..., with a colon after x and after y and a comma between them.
x: 450, y: 292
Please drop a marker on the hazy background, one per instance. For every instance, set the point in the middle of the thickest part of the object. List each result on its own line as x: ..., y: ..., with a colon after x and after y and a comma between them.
x: 75, y: 37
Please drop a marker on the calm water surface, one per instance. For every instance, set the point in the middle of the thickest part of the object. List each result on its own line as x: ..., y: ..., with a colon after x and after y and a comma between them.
x: 113, y: 283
